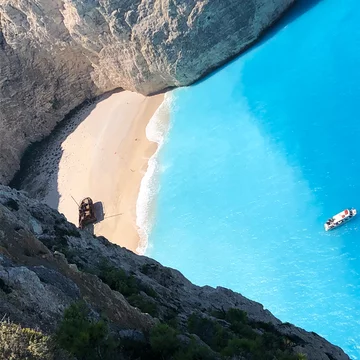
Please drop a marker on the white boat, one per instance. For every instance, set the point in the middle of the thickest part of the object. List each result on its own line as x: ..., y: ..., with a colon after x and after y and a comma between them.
x: 339, y: 219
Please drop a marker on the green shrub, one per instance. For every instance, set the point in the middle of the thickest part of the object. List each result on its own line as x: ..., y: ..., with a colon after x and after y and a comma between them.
x: 265, y: 326
x: 118, y: 280
x: 238, y: 346
x: 18, y: 343
x: 231, y: 315
x: 171, y: 318
x: 128, y: 285
x: 194, y: 352
x: 143, y: 304
x: 165, y: 344
x: 209, y: 331
x: 241, y: 337
x: 83, y: 338
x: 234, y: 316
x: 145, y: 269
x: 149, y: 291
x: 164, y: 341
x: 69, y: 254
x: 238, y: 320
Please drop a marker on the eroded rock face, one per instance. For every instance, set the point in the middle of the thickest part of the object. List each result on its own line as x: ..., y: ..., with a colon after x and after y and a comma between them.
x: 37, y: 282
x: 54, y: 54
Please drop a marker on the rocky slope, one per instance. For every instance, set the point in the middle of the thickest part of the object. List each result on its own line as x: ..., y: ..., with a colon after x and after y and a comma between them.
x: 46, y: 264
x: 55, y: 54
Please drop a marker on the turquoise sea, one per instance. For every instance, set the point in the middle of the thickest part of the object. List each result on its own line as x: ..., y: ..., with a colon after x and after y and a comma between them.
x: 257, y: 157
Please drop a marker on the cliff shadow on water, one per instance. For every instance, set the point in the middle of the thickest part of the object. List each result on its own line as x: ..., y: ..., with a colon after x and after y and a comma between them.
x: 299, y: 8
x: 39, y: 167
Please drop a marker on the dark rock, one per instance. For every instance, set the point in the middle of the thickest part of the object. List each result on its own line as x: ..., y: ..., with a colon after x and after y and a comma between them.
x: 35, y: 289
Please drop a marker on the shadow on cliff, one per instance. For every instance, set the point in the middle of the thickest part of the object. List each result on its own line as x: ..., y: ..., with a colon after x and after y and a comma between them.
x: 299, y: 8
x: 39, y: 167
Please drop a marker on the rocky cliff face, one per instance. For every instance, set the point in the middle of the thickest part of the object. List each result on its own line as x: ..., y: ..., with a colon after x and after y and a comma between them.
x: 55, y: 54
x: 46, y: 264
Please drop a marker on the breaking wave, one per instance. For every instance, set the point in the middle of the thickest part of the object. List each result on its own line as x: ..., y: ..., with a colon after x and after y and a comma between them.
x: 156, y: 132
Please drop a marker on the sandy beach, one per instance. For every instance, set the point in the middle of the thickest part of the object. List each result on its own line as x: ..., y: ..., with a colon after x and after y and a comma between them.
x: 105, y: 157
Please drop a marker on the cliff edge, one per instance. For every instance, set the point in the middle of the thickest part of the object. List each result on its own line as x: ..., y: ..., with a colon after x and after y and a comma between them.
x: 47, y: 264
x: 56, y: 54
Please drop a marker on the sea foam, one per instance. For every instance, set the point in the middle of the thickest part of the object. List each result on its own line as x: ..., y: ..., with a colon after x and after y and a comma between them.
x: 156, y: 132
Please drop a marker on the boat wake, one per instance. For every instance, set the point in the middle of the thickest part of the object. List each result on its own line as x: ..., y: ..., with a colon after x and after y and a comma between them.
x: 156, y: 131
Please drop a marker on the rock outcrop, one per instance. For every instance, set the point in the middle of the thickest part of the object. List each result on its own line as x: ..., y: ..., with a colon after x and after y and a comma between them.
x: 46, y: 264
x: 56, y: 54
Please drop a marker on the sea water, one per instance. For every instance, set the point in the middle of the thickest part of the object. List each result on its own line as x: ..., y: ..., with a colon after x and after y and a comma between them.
x: 257, y: 157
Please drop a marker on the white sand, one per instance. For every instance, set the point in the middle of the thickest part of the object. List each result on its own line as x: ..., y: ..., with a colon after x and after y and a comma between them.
x: 105, y: 158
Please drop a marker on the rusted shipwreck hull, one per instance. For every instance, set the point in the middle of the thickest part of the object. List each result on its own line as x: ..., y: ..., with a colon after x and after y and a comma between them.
x: 86, y: 213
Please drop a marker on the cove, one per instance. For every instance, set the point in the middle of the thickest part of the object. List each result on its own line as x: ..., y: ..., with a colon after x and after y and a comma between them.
x: 257, y: 157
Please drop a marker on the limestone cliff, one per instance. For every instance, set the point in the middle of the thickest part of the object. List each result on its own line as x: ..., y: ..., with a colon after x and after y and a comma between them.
x: 55, y: 54
x: 46, y: 264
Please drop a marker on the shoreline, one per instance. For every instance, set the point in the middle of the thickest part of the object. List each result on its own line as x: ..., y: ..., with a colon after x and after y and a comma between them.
x: 113, y: 140
x: 102, y: 152
x: 156, y: 131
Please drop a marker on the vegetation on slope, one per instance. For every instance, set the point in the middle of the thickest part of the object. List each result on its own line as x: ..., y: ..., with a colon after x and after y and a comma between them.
x: 18, y: 343
x: 187, y: 326
x: 85, y: 338
x: 241, y: 337
x: 137, y: 294
x: 90, y: 339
